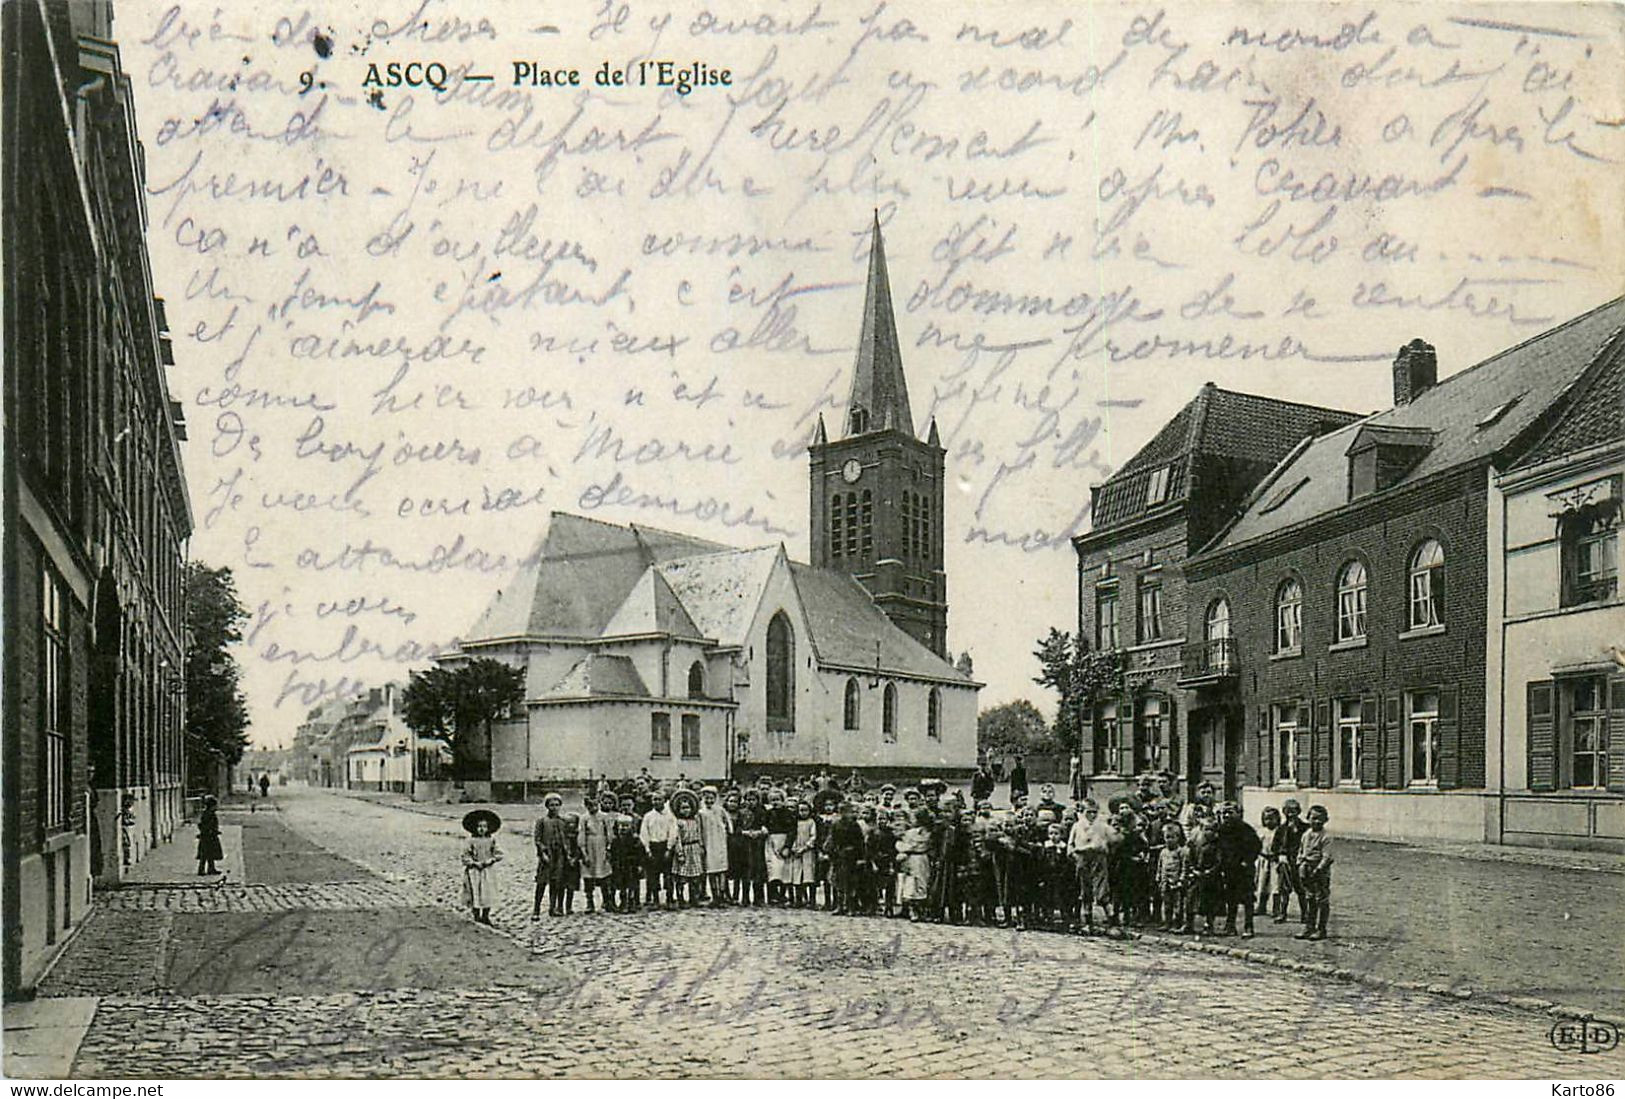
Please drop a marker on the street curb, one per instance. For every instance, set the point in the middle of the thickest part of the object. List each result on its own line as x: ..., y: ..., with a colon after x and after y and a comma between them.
x: 1530, y: 1004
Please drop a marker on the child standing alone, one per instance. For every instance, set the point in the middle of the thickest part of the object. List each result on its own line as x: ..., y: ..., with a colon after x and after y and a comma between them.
x: 480, y: 854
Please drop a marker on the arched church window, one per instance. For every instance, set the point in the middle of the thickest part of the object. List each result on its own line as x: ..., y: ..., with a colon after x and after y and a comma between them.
x: 853, y: 710
x: 781, y: 673
x: 835, y: 518
x: 888, y: 714
x: 867, y: 522
x: 696, y: 679
x: 851, y: 524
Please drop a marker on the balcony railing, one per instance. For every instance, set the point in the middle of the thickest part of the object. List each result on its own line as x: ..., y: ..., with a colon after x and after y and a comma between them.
x: 1211, y: 660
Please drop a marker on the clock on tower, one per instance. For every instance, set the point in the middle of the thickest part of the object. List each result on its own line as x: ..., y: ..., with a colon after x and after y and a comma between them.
x: 877, y: 489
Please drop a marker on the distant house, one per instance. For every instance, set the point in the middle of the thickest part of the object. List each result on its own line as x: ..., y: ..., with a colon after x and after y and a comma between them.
x: 1358, y: 592
x: 643, y: 648
x: 1178, y: 712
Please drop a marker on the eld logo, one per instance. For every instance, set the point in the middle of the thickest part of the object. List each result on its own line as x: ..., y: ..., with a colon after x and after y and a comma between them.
x: 1574, y: 1036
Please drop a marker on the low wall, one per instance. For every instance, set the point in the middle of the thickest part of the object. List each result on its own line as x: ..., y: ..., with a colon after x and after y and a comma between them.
x: 1450, y: 816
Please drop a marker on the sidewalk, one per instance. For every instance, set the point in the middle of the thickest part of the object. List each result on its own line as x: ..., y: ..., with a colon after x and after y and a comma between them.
x: 175, y: 863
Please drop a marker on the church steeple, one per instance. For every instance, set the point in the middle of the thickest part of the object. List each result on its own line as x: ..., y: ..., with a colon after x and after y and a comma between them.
x: 876, y: 508
x: 879, y: 398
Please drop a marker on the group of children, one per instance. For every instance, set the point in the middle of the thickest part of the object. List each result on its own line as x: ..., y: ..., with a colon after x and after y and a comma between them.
x: 1147, y: 859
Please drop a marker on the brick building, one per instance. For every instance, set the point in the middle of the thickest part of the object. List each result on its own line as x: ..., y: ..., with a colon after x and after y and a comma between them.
x: 96, y: 510
x: 1354, y: 589
x: 1164, y: 504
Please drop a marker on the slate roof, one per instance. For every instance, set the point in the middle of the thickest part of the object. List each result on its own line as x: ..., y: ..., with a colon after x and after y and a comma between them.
x: 721, y: 590
x: 1475, y: 414
x: 596, y: 581
x: 878, y: 385
x: 846, y: 626
x: 1596, y: 417
x: 601, y: 675
x: 579, y: 576
x: 1217, y: 423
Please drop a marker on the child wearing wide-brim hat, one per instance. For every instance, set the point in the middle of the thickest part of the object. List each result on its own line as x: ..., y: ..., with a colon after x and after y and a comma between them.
x: 480, y: 854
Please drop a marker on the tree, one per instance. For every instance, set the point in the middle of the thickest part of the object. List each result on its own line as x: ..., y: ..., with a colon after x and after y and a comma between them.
x: 459, y: 704
x: 1082, y: 679
x: 216, y: 712
x: 1014, y: 727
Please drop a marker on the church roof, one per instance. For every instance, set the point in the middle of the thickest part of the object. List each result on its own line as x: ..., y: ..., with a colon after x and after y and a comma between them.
x: 613, y: 581
x: 878, y: 385
x: 848, y: 628
x: 580, y: 574
x: 721, y: 590
x: 652, y: 607
x: 601, y: 675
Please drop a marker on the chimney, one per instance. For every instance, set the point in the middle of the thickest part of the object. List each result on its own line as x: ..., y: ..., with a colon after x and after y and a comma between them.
x: 1416, y: 370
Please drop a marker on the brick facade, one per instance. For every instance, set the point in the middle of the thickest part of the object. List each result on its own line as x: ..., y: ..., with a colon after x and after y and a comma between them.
x: 1389, y: 662
x: 96, y: 504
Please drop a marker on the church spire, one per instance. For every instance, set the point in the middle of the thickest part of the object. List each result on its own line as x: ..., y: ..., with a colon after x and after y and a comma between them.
x: 879, y: 396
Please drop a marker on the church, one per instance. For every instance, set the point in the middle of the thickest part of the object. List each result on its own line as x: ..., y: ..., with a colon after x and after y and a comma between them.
x: 648, y: 649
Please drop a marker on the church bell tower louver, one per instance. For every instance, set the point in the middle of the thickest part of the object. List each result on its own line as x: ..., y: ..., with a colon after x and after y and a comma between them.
x: 877, y: 489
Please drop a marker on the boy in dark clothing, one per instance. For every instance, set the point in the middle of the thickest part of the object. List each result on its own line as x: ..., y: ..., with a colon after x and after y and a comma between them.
x: 1124, y: 862
x: 882, y: 851
x: 1285, y: 849
x: 626, y: 860
x: 1238, y: 847
x: 846, y: 848
x: 1202, y: 871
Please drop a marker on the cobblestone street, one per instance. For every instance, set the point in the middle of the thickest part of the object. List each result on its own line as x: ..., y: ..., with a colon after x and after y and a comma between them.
x: 352, y: 959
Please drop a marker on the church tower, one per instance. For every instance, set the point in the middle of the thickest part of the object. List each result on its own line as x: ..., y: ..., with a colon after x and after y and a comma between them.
x: 877, y: 489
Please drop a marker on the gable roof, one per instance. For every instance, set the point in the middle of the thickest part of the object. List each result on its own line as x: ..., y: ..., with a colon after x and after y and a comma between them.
x: 1596, y: 416
x: 1218, y: 423
x: 722, y: 590
x: 578, y: 577
x: 652, y: 607
x: 1474, y: 415
x: 848, y: 628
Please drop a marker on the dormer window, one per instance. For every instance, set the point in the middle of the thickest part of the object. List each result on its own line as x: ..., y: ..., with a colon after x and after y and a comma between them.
x: 1156, y: 487
x: 857, y: 420
x: 1495, y: 414
x: 1381, y: 455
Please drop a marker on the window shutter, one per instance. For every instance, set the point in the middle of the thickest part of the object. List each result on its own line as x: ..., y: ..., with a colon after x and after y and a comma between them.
x: 1097, y: 761
x: 1540, y: 731
x: 1323, y: 744
x: 1448, y: 765
x: 1616, y: 734
x: 1305, y: 746
x: 1393, y: 744
x: 1175, y: 761
x: 1128, y: 728
x: 1370, y: 746
x: 1266, y: 749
